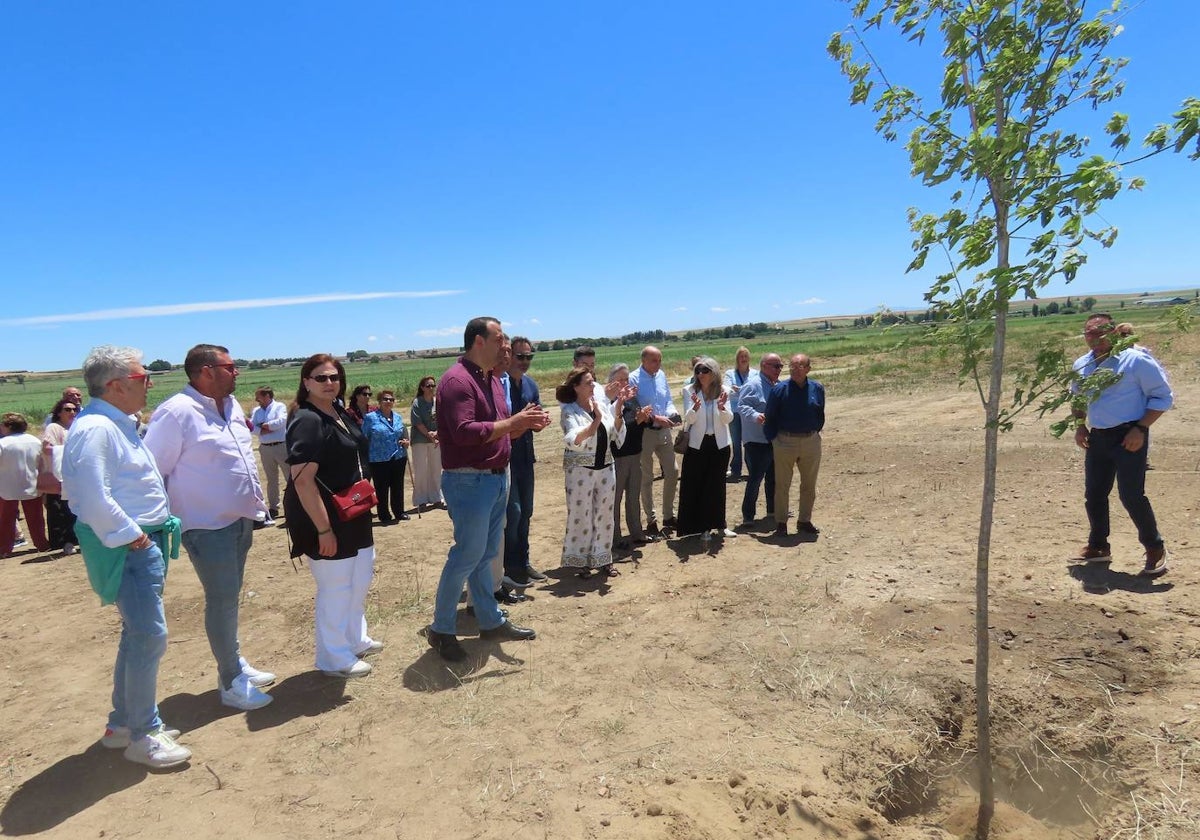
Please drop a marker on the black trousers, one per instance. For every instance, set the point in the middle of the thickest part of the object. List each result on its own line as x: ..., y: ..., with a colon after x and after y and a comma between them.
x: 1107, y: 461
x: 388, y: 478
x: 702, y: 487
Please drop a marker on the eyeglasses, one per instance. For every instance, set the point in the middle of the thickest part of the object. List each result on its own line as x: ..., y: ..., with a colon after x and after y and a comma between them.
x: 365, y: 394
x: 524, y: 357
x: 145, y: 377
x: 326, y: 377
x: 69, y: 408
x: 776, y: 365
x: 387, y: 399
x: 429, y: 385
x: 701, y: 370
x: 231, y: 367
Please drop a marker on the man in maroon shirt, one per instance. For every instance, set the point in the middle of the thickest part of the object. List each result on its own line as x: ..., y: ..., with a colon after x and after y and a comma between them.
x: 474, y: 428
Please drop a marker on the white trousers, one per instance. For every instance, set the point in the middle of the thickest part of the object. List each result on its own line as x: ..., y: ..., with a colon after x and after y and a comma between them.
x: 426, y: 473
x: 341, y: 622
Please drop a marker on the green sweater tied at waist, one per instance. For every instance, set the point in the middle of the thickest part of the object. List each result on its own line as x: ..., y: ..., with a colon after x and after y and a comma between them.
x: 106, y: 566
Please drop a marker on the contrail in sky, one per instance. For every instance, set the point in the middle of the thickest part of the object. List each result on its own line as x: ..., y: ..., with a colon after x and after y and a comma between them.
x: 211, y: 306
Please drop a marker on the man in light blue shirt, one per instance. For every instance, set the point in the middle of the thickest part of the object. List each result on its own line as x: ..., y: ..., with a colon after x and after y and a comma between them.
x: 269, y: 422
x: 760, y: 457
x: 658, y: 440
x: 116, y: 491
x: 1120, y: 415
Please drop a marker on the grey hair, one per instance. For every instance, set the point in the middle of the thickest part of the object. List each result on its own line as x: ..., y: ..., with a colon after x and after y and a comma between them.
x: 106, y: 363
x: 710, y: 363
x: 617, y: 368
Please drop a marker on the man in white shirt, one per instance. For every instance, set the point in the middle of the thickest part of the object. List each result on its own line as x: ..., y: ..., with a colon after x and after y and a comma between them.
x: 119, y: 499
x: 202, y: 444
x: 269, y: 422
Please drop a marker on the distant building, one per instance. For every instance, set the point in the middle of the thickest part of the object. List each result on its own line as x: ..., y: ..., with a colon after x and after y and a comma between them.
x: 1173, y: 301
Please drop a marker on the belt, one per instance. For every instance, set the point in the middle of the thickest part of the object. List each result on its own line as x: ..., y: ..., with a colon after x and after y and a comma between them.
x: 799, y: 434
x: 276, y: 443
x: 1124, y: 427
x: 500, y: 471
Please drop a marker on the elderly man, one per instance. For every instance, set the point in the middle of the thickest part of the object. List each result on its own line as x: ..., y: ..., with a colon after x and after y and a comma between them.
x: 652, y: 389
x: 523, y: 391
x: 71, y: 394
x: 203, y: 449
x: 759, y: 455
x: 1120, y: 415
x: 269, y: 422
x: 474, y: 427
x: 123, y: 519
x: 795, y: 415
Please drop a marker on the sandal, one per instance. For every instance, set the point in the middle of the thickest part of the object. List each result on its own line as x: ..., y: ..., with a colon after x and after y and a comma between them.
x: 610, y: 571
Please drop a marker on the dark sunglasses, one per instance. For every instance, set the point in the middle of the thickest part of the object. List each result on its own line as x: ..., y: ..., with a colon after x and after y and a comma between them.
x: 326, y: 377
x: 524, y: 357
x: 387, y: 399
x: 70, y: 408
x: 701, y: 369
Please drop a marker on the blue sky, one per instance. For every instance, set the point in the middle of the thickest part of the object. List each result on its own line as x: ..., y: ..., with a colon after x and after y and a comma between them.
x: 289, y: 178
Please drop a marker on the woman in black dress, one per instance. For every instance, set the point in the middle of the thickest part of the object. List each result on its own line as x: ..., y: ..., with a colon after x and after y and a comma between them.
x: 327, y: 453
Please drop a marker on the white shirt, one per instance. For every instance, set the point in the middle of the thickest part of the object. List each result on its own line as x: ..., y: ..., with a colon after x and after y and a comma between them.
x: 275, y: 416
x: 111, y: 476
x: 206, y: 460
x: 19, y: 455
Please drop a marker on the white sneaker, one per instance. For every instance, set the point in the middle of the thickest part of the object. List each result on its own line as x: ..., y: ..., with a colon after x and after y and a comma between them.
x: 358, y: 669
x: 69, y: 548
x: 727, y: 532
x: 118, y: 738
x: 243, y: 694
x: 373, y: 646
x: 258, y: 678
x: 158, y: 750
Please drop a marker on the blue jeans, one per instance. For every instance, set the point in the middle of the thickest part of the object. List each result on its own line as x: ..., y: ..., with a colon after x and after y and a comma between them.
x: 476, y: 503
x: 1106, y: 459
x: 760, y: 464
x: 219, y: 558
x: 520, y: 511
x: 735, y: 433
x: 143, y: 643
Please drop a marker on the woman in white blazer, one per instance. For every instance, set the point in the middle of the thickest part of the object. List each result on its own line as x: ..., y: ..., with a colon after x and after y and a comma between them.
x: 702, y: 482
x: 588, y: 426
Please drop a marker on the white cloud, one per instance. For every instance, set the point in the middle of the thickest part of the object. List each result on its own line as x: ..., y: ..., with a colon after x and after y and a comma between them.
x: 679, y: 309
x: 719, y: 309
x: 211, y: 306
x: 810, y: 301
x: 372, y: 338
x: 438, y: 333
x: 535, y: 322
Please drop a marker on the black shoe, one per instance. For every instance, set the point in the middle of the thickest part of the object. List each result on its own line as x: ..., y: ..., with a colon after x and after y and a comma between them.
x: 273, y: 513
x: 652, y: 528
x: 506, y: 596
x: 670, y: 522
x: 403, y: 517
x: 446, y: 645
x: 508, y: 632
x: 517, y: 580
x: 781, y: 530
x: 471, y: 611
x: 534, y: 574
x: 807, y: 528
x: 386, y: 520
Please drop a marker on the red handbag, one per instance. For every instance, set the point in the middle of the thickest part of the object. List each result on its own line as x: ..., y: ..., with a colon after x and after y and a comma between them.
x: 354, y: 501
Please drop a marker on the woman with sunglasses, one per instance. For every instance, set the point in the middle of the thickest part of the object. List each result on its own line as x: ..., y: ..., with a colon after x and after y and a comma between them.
x: 360, y: 404
x: 326, y: 454
x: 426, y: 450
x: 702, y: 480
x: 387, y: 441
x: 60, y: 522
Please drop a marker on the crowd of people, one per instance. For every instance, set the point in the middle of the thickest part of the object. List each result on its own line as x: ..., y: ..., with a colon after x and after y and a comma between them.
x: 130, y: 494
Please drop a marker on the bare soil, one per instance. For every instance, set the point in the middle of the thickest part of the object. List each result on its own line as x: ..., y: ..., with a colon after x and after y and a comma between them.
x: 803, y: 689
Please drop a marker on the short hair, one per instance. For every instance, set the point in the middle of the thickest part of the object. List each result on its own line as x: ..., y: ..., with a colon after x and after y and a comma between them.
x: 106, y: 363
x: 565, y: 393
x: 387, y: 391
x: 15, y: 423
x: 265, y: 390
x: 615, y: 369
x: 200, y: 357
x: 477, y: 327
x: 1096, y: 316
x: 583, y: 350
x: 520, y: 339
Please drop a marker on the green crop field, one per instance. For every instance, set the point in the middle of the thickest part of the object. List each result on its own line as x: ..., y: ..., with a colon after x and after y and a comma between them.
x: 848, y: 359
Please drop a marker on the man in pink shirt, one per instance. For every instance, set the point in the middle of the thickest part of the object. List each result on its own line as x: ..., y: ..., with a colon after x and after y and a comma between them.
x: 474, y: 428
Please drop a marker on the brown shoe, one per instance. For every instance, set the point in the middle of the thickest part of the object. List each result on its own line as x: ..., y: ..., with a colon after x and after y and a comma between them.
x: 1091, y: 554
x: 1156, y: 562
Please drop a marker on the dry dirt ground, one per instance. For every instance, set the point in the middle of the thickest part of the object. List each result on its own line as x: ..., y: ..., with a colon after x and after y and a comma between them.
x: 816, y: 689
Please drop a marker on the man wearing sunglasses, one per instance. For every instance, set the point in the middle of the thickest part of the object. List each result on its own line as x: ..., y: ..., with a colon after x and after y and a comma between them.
x: 523, y: 392
x: 202, y: 444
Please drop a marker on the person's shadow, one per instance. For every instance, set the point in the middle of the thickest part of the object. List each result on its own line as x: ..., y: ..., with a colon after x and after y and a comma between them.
x: 430, y: 673
x: 303, y: 695
x: 1100, y: 578
x: 566, y: 583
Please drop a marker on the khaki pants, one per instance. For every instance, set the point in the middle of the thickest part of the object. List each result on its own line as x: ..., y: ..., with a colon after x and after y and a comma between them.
x: 659, y: 442
x: 802, y: 453
x: 274, y: 462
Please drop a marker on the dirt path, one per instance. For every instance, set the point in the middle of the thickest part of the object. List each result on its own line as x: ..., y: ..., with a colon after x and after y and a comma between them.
x: 801, y: 690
